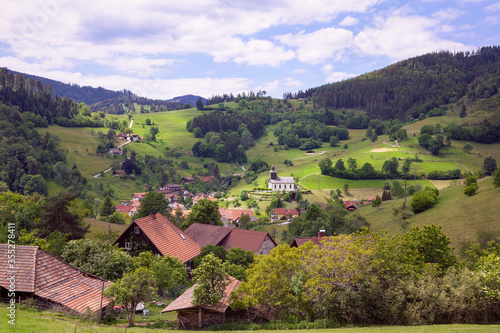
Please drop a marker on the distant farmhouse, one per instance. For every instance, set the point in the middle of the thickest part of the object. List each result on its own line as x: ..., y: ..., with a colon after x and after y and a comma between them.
x: 276, y: 183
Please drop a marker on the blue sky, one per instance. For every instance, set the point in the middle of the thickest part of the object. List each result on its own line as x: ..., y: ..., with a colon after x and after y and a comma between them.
x: 163, y: 49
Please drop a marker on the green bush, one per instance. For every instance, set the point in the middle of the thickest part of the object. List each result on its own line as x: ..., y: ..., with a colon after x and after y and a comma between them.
x: 422, y: 201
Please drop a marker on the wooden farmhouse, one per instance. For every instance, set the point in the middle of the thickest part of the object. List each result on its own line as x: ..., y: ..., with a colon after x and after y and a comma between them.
x: 157, y: 234
x: 50, y: 281
x: 191, y: 316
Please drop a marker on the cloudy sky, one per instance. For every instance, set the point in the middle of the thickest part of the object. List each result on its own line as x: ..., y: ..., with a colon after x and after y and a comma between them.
x: 162, y: 49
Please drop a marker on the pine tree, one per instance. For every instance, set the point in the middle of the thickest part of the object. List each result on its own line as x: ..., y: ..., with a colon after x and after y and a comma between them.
x: 463, y: 112
x: 107, y: 207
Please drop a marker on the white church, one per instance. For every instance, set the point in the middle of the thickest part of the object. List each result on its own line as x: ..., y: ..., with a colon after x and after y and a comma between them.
x: 276, y: 183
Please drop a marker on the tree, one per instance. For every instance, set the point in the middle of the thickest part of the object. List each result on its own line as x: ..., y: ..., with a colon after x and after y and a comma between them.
x: 434, y: 146
x: 211, y: 280
x: 496, y: 178
x: 423, y: 200
x: 198, y: 132
x: 204, y: 211
x: 134, y: 287
x: 147, y: 121
x: 107, y: 207
x: 377, y: 202
x: 55, y: 216
x: 97, y: 257
x: 468, y: 148
x: 153, y: 202
x: 489, y: 165
x: 463, y: 112
x: 391, y: 166
x: 243, y: 195
x: 199, y: 104
x: 351, y: 162
x: 346, y: 188
x: 334, y: 141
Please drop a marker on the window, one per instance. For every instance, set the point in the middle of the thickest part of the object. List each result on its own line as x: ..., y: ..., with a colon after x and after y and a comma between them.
x: 128, y: 245
x: 137, y: 231
x: 280, y: 186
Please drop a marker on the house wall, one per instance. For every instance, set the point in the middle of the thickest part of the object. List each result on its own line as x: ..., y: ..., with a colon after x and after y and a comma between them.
x: 266, y: 246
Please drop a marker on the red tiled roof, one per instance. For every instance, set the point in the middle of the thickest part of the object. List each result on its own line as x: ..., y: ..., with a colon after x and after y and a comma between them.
x: 184, y: 301
x: 51, y: 278
x: 123, y: 208
x: 24, y: 267
x: 285, y: 211
x: 205, y: 234
x: 228, y: 238
x: 245, y: 239
x: 349, y: 204
x: 168, y: 239
x: 207, y: 179
x: 234, y: 214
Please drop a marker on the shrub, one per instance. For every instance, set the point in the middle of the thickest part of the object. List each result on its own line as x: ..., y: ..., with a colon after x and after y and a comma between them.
x: 423, y: 200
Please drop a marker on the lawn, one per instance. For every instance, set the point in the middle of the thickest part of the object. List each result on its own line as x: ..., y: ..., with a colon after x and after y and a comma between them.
x: 29, y: 321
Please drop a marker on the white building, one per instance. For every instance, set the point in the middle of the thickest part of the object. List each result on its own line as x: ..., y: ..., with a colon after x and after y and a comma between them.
x: 276, y: 183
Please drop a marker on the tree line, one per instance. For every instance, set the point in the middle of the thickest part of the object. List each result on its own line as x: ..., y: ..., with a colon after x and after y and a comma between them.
x: 416, y: 85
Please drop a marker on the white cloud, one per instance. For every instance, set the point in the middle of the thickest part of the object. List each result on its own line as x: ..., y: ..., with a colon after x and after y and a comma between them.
x: 492, y: 20
x: 493, y: 8
x: 253, y: 52
x: 400, y: 36
x: 315, y: 47
x: 448, y: 14
x: 333, y: 76
x: 349, y: 21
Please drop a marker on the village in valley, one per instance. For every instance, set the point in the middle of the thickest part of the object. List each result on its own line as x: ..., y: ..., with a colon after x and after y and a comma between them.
x: 318, y: 166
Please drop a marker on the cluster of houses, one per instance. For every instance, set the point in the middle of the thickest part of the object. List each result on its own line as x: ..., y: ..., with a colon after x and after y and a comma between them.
x: 52, y: 282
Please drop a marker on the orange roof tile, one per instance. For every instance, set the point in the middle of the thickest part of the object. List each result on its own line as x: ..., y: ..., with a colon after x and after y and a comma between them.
x: 51, y: 278
x: 166, y: 237
x: 234, y: 214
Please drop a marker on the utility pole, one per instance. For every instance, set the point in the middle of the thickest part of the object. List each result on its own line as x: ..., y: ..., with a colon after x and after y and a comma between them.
x: 460, y: 179
x: 405, y: 191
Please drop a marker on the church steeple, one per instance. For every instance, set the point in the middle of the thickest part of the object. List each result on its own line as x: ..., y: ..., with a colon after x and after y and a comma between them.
x: 272, y: 173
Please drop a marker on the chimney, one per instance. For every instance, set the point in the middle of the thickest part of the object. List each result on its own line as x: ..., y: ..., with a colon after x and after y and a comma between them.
x: 153, y: 215
x: 322, y: 233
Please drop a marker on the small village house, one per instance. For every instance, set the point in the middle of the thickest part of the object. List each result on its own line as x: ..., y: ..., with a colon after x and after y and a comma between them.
x: 277, y: 214
x: 259, y: 242
x: 190, y: 316
x: 157, y: 234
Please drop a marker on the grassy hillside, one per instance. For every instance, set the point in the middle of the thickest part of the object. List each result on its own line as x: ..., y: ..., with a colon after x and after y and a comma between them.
x: 464, y: 219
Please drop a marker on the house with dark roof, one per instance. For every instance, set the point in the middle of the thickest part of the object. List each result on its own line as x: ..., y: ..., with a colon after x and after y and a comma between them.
x: 190, y: 316
x: 259, y: 242
x: 174, y: 188
x: 157, y: 234
x: 50, y: 281
x: 187, y: 180
x: 282, y: 214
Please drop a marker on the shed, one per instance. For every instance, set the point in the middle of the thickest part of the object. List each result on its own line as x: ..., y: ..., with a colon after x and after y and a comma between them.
x: 191, y: 316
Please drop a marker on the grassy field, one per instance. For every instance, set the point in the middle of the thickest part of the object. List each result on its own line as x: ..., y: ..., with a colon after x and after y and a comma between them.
x: 99, y: 230
x: 463, y: 219
x: 29, y: 321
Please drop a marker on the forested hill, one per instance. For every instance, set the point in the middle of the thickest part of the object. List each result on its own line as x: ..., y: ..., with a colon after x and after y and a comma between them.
x: 101, y: 99
x: 414, y: 86
x: 88, y: 95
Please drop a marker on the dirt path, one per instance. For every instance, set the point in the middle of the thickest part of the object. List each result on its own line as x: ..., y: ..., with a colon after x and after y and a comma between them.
x: 396, y: 145
x: 97, y: 176
x: 131, y: 123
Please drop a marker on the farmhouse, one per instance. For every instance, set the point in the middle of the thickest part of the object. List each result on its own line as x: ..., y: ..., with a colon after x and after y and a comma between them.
x: 259, y: 242
x: 282, y: 214
x: 232, y: 216
x: 174, y: 188
x: 118, y: 173
x: 187, y: 180
x: 50, y: 281
x: 276, y: 183
x: 157, y: 234
x: 350, y: 205
x: 114, y: 151
x: 190, y: 316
